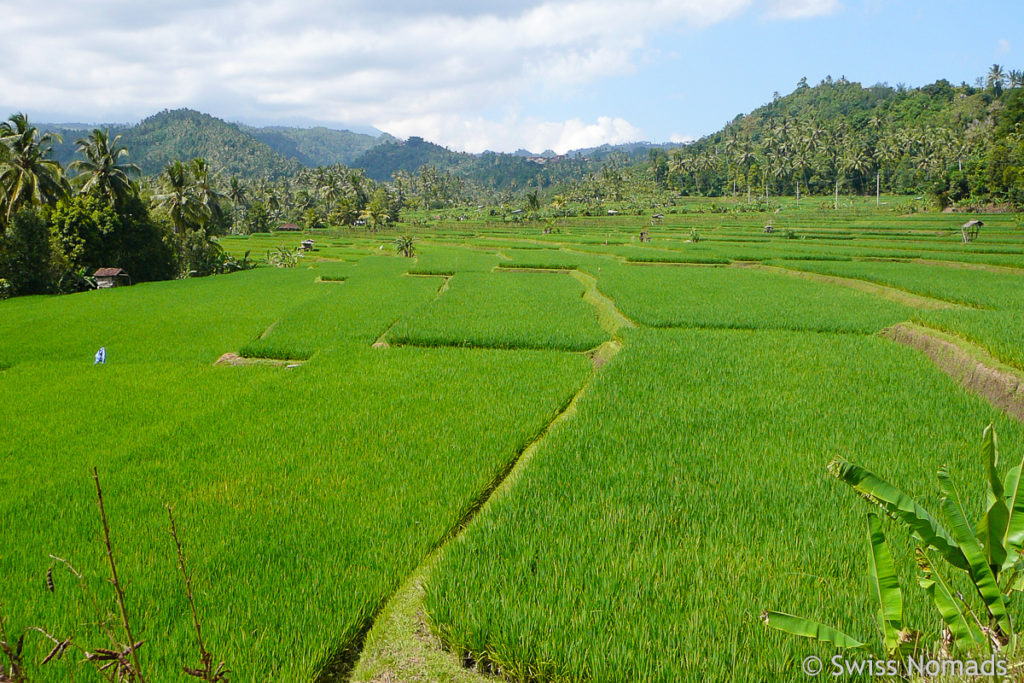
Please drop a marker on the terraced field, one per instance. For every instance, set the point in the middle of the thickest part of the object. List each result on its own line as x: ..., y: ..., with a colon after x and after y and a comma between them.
x: 558, y: 457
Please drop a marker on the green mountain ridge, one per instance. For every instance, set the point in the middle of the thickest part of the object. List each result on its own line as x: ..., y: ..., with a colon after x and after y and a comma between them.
x: 317, y: 146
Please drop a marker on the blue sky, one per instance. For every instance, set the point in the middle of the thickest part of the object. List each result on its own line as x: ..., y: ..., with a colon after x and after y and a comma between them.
x: 500, y: 75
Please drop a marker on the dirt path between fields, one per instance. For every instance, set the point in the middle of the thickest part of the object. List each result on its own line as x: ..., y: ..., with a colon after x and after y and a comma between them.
x: 382, y: 340
x: 991, y: 268
x: 969, y: 365
x: 399, y: 646
x: 900, y: 296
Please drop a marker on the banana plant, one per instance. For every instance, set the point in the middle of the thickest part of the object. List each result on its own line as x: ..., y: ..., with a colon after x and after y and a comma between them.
x: 885, y: 588
x: 989, y: 553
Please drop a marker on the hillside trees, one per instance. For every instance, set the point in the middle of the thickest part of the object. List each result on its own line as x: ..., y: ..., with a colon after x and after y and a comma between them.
x: 54, y: 231
x: 28, y: 176
x: 956, y: 143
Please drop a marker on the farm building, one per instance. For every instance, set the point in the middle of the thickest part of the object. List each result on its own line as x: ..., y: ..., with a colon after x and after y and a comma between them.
x: 289, y: 227
x: 111, y: 277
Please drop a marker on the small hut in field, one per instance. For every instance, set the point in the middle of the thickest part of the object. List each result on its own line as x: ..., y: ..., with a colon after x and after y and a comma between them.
x: 969, y: 230
x: 289, y: 227
x: 111, y: 277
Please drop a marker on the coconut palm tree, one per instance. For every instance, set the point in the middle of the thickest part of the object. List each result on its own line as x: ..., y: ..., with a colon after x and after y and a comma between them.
x: 101, y: 171
x: 205, y: 188
x: 855, y: 159
x: 996, y: 77
x: 179, y: 199
x: 238, y: 193
x: 745, y: 158
x: 27, y: 175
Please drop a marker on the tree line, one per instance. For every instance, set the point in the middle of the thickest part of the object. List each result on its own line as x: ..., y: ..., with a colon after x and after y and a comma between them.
x: 960, y: 144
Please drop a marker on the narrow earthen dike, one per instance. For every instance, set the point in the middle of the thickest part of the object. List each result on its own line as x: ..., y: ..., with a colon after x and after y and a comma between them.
x: 974, y: 369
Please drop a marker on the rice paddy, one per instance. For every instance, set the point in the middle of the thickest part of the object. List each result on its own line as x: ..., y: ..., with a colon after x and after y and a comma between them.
x: 681, y: 492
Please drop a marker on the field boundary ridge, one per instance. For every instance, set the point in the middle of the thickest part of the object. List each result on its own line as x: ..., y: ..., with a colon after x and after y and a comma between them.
x: 970, y: 365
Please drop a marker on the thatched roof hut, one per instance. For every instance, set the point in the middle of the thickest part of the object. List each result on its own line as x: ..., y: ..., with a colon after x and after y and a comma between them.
x: 111, y: 277
x: 970, y: 230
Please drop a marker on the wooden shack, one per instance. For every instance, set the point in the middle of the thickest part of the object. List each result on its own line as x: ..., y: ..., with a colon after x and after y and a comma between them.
x: 289, y: 227
x: 111, y: 277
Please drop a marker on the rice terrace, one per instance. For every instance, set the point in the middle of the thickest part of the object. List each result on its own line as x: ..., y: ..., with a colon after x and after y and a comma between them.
x: 413, y: 362
x: 572, y: 455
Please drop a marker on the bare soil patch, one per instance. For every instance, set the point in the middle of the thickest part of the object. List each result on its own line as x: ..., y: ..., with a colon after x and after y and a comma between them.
x: 995, y: 382
x: 234, y: 360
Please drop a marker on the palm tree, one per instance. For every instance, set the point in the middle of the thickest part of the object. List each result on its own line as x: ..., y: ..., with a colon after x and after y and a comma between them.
x: 996, y: 77
x: 178, y: 197
x: 238, y: 195
x: 375, y: 217
x: 206, y: 192
x: 1016, y: 78
x: 101, y: 171
x: 27, y: 175
x: 855, y: 159
x: 237, y: 192
x: 745, y: 157
x: 532, y: 202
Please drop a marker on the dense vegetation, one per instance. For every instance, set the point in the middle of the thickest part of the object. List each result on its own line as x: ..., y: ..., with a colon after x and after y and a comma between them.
x: 317, y: 146
x: 960, y: 144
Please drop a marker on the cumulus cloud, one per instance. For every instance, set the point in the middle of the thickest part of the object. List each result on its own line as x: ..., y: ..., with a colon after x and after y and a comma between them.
x: 389, y: 63
x: 681, y: 139
x: 1003, y: 46
x: 478, y: 134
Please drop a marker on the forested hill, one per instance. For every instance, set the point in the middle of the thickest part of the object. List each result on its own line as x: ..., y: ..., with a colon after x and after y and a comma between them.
x: 959, y: 143
x: 317, y: 146
x: 183, y: 134
x: 239, y: 150
x: 497, y: 171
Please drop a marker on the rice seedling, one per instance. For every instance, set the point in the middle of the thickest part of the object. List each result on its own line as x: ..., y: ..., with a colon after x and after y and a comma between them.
x: 744, y: 299
x: 272, y: 467
x: 668, y: 526
x: 505, y: 310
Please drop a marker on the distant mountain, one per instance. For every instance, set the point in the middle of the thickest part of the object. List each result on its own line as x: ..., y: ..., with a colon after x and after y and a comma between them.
x: 185, y: 134
x: 632, y: 150
x: 235, y: 149
x: 382, y: 161
x: 280, y: 151
x: 317, y: 146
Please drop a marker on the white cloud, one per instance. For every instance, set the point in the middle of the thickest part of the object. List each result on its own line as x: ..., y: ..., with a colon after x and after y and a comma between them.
x: 681, y: 139
x: 385, y: 62
x: 801, y: 9
x: 1004, y: 46
x: 478, y: 134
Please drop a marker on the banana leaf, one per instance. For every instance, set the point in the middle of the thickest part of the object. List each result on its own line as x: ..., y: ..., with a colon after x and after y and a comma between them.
x: 993, y: 525
x: 902, y: 508
x: 981, y: 573
x: 884, y: 585
x: 806, y: 628
x: 1013, y: 540
x: 966, y: 634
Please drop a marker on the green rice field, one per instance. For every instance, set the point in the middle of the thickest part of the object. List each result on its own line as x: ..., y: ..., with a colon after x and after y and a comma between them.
x: 666, y: 409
